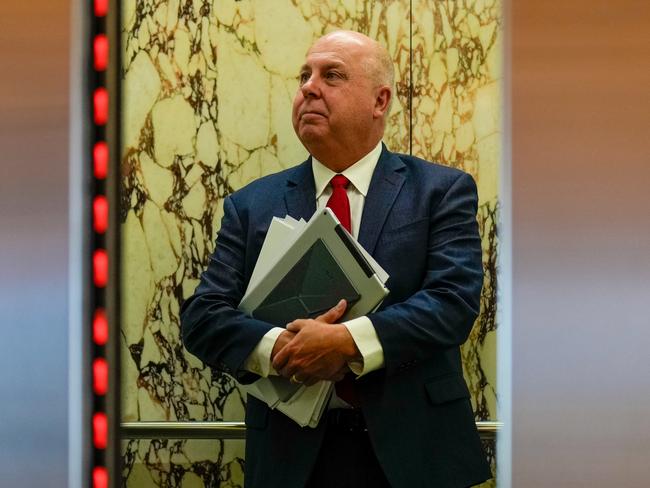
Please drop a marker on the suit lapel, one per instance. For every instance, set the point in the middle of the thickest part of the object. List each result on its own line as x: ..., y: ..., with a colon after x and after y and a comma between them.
x: 300, y: 196
x: 385, y: 185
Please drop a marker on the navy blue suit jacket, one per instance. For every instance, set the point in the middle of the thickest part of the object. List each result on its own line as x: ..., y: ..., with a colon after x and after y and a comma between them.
x: 419, y: 223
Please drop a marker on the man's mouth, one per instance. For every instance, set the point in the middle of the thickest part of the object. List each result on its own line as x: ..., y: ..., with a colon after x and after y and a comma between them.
x: 311, y: 114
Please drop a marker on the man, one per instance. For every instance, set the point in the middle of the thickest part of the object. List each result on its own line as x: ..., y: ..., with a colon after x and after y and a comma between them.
x: 406, y: 420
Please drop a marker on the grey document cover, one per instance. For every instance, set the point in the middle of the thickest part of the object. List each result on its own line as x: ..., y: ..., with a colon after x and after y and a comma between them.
x: 319, y: 268
x: 311, y: 287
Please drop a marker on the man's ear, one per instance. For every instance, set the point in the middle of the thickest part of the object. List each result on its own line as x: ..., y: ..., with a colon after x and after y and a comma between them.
x: 382, y: 101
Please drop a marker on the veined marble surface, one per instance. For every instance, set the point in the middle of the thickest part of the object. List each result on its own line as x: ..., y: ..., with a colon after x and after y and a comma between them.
x: 179, y: 463
x: 207, y: 91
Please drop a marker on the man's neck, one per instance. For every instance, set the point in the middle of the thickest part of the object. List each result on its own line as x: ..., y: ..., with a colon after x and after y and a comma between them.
x: 339, y: 160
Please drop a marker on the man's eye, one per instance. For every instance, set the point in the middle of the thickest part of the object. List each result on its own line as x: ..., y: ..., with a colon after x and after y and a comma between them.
x: 332, y: 75
x: 303, y: 78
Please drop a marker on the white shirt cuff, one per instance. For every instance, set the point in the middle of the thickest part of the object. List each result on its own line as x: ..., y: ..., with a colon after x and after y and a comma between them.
x: 259, y: 361
x: 365, y: 337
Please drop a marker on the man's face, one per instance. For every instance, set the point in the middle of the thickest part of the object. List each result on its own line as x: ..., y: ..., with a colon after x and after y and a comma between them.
x: 334, y: 105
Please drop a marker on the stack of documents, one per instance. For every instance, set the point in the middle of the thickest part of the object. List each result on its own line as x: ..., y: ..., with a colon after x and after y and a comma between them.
x: 303, y: 270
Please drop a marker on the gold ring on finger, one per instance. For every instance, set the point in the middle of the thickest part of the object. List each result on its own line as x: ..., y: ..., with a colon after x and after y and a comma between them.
x: 294, y: 379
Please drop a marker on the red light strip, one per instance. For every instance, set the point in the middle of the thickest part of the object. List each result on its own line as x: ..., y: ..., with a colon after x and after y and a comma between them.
x: 100, y: 160
x: 100, y: 327
x: 100, y: 214
x: 100, y: 376
x: 100, y: 477
x: 100, y: 51
x: 100, y: 430
x: 100, y: 268
x: 101, y: 8
x: 100, y: 105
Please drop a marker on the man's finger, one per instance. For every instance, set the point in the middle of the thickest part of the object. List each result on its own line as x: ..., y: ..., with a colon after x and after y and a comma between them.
x: 295, y: 326
x: 280, y: 359
x: 337, y: 377
x: 287, y: 371
x: 340, y: 374
x: 334, y: 313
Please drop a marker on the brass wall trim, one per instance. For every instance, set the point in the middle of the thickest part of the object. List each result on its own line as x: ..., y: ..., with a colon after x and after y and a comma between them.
x: 488, y: 429
x: 183, y: 430
x: 227, y: 430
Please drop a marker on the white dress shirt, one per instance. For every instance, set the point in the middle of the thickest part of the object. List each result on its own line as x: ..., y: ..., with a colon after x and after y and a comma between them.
x: 362, y: 331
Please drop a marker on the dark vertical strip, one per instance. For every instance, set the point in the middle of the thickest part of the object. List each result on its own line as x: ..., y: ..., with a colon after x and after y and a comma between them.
x: 114, y: 139
x: 410, y: 99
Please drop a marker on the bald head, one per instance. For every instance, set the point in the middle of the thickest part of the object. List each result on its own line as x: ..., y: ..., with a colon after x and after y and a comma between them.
x: 374, y: 57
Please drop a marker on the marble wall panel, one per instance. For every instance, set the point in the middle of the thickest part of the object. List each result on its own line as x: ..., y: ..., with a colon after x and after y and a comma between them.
x: 207, y: 89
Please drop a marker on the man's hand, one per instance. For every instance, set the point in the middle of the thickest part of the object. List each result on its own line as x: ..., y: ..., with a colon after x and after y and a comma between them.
x: 320, y: 349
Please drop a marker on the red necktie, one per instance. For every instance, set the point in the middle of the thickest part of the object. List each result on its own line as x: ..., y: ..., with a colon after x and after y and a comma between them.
x: 340, y: 205
x: 339, y: 202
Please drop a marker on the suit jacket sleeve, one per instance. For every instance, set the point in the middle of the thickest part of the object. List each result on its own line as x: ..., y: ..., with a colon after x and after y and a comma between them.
x: 212, y: 327
x: 441, y: 313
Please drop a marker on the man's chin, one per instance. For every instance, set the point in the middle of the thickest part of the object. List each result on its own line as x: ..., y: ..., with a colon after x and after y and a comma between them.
x: 311, y: 135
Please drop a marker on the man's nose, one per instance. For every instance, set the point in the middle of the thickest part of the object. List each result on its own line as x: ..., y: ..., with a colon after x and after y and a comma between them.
x: 311, y: 87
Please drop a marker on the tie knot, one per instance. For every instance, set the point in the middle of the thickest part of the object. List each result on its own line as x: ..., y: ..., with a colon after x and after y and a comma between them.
x: 339, y: 181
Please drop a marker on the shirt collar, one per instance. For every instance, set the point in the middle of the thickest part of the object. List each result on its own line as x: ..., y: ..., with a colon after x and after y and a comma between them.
x: 359, y: 174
